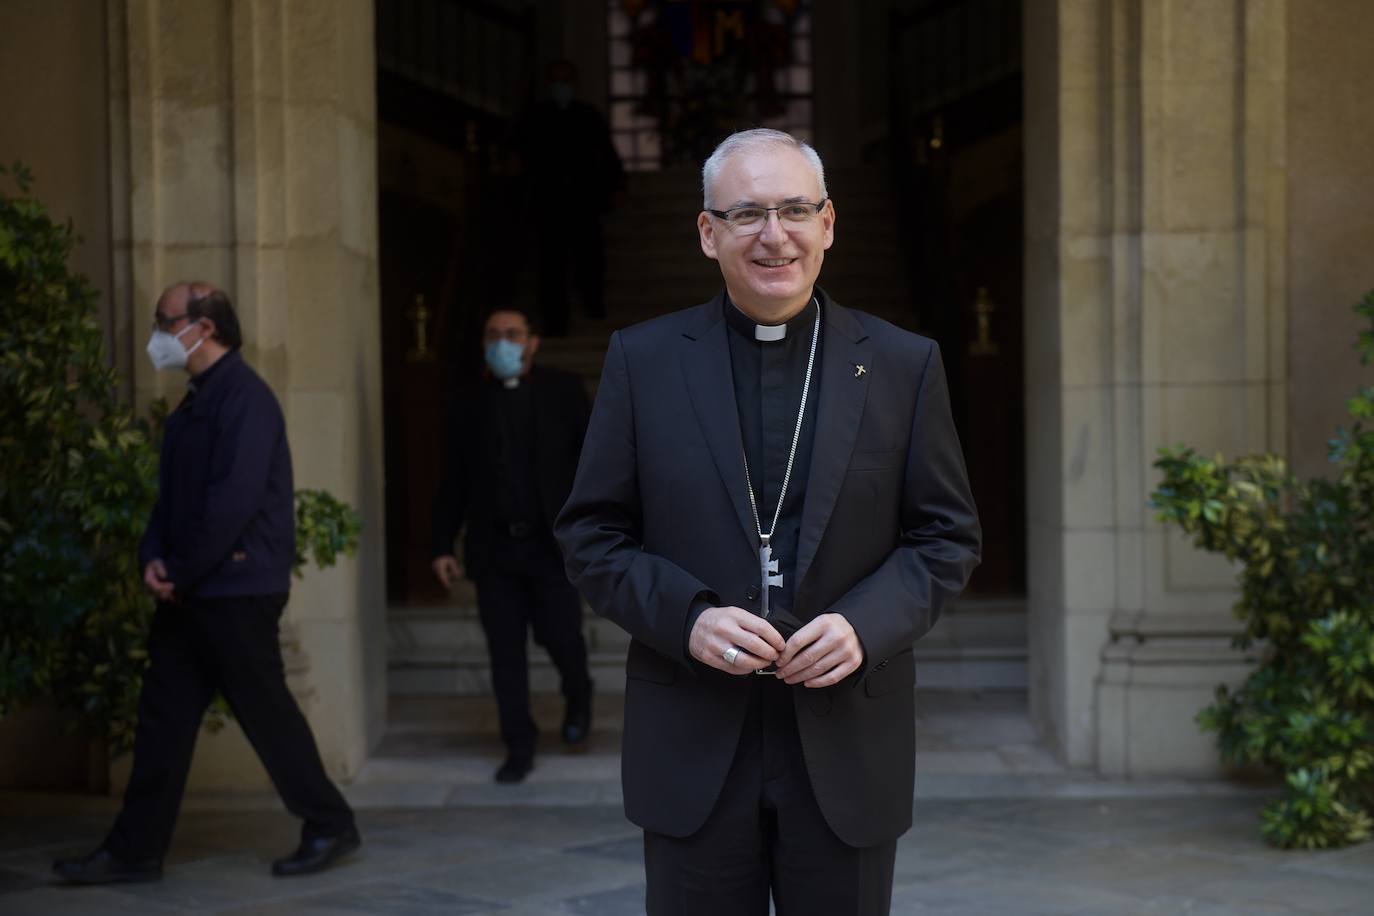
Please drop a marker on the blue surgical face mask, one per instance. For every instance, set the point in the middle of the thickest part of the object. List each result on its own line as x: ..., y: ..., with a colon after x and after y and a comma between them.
x: 561, y: 93
x: 505, y: 358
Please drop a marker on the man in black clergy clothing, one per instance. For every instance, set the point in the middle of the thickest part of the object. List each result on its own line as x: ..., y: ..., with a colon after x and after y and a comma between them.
x: 510, y: 451
x: 772, y: 501
x: 572, y: 171
x: 217, y: 556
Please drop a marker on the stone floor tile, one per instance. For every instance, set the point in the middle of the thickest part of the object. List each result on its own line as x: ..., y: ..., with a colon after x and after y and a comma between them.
x: 544, y: 877
x: 411, y: 795
x: 305, y: 906
x: 1029, y: 758
x: 1170, y: 905
x: 630, y: 849
x: 395, y: 898
x: 12, y: 880
x: 554, y: 828
x: 1315, y: 895
x: 1141, y: 856
x: 23, y: 832
x: 620, y: 901
x: 526, y: 909
x: 952, y: 854
x: 1082, y: 821
x: 533, y: 793
x: 964, y: 762
x: 216, y: 882
x: 1019, y: 836
x: 1135, y: 871
x: 84, y: 901
x: 1353, y: 861
x: 936, y: 900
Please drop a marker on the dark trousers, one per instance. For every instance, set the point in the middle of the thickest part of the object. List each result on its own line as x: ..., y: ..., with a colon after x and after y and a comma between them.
x: 525, y: 588
x: 194, y: 649
x: 766, y: 833
x: 580, y: 252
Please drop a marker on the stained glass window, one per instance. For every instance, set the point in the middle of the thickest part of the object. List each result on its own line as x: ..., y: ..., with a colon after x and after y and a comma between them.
x: 686, y: 73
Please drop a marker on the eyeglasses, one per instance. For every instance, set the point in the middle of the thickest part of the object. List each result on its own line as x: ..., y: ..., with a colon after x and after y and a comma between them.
x: 750, y: 220
x: 167, y: 322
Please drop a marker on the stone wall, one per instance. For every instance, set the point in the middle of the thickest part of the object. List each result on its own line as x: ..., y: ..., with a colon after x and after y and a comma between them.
x: 54, y: 118
x: 1331, y: 216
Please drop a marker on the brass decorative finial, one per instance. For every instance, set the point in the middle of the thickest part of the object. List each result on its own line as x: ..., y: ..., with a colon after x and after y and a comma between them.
x: 419, y: 313
x: 984, y: 345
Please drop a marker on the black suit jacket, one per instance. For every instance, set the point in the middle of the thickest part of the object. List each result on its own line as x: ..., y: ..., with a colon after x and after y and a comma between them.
x: 659, y: 514
x: 468, y: 479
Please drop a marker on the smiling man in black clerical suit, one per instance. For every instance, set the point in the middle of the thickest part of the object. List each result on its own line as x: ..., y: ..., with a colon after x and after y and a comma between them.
x: 772, y: 501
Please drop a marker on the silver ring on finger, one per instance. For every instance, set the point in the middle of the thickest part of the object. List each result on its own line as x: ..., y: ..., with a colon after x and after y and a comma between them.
x: 730, y: 655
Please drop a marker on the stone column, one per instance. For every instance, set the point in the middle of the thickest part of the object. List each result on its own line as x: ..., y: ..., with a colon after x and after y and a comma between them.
x: 1155, y: 315
x: 244, y: 138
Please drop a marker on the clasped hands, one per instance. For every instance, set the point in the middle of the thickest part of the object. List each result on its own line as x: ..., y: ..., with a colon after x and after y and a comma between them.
x: 823, y: 652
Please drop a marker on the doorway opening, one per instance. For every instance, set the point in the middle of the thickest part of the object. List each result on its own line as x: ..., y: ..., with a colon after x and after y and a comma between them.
x: 926, y: 169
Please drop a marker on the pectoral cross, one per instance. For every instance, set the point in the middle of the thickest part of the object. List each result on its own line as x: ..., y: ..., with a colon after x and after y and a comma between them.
x: 768, y: 573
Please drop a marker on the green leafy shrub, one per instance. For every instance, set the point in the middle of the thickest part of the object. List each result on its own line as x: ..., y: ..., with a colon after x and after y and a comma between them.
x: 1306, y: 552
x: 78, y: 476
x: 325, y: 528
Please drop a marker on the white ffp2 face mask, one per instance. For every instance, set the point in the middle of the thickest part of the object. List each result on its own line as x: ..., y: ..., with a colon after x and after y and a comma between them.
x: 166, y: 352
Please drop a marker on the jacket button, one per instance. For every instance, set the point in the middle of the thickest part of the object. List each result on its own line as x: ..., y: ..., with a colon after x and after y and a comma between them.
x: 752, y: 592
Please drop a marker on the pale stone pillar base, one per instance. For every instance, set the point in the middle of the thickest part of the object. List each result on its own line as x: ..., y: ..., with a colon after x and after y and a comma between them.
x: 1157, y: 673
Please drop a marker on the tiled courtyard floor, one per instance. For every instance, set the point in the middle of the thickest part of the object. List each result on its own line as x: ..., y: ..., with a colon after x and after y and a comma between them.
x: 1000, y: 829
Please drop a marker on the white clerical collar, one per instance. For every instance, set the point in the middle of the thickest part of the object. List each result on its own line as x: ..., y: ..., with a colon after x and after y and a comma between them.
x: 768, y: 333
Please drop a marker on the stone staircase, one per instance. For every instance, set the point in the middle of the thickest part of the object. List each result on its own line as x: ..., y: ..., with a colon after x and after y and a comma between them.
x: 654, y: 263
x: 655, y: 266
x: 440, y: 651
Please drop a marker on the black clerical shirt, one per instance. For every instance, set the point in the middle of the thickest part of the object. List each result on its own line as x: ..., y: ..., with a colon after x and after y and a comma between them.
x: 769, y: 376
x: 510, y: 426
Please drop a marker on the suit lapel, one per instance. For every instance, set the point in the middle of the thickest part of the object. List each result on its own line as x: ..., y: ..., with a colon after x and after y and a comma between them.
x: 706, y: 367
x: 839, y: 410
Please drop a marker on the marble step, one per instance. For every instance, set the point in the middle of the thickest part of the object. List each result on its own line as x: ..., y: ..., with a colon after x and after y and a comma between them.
x: 441, y: 651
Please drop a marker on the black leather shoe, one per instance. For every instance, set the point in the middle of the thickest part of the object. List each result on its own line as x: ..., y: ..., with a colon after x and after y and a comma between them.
x: 317, y: 854
x: 515, y: 769
x: 577, y: 726
x: 104, y: 867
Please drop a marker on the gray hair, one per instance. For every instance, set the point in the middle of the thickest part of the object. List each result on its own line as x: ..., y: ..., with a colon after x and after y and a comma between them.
x: 750, y: 141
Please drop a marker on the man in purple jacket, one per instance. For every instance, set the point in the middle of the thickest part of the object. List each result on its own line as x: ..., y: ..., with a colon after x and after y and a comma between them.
x: 217, y: 556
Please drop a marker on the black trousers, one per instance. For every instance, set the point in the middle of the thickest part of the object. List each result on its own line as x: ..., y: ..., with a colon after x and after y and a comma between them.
x: 766, y: 834
x: 581, y: 253
x: 524, y: 588
x: 195, y: 648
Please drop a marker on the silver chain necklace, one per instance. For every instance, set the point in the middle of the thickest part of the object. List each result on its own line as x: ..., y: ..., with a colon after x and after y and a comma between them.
x: 768, y: 567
